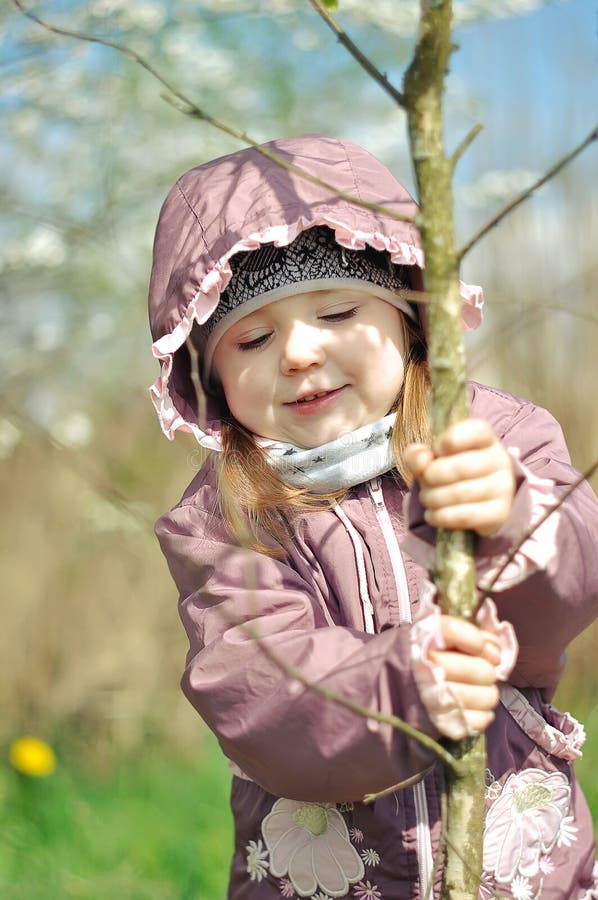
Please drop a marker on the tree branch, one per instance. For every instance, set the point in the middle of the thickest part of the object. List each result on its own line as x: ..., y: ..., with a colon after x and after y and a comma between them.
x: 295, y: 674
x: 465, y: 143
x: 356, y: 53
x: 554, y: 170
x: 454, y: 573
x: 486, y: 589
x: 189, y: 108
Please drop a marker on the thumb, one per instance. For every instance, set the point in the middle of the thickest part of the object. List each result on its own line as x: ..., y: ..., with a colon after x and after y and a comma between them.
x: 417, y: 457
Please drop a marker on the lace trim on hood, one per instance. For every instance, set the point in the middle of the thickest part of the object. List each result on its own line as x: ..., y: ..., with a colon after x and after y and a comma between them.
x: 205, y: 301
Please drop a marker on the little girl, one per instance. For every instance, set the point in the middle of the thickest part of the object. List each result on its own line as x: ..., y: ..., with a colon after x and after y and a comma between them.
x: 304, y: 542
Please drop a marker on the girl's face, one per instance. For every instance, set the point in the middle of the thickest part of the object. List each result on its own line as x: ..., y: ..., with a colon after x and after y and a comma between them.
x: 308, y: 368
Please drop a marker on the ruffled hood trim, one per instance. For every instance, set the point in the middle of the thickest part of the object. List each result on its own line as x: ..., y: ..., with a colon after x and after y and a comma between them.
x: 175, y: 407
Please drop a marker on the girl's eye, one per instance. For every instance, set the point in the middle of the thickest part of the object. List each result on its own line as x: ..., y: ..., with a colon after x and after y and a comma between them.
x: 339, y: 316
x: 254, y: 343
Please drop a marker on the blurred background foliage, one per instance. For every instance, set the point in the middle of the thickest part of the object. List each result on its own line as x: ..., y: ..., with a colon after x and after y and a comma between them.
x: 92, y: 648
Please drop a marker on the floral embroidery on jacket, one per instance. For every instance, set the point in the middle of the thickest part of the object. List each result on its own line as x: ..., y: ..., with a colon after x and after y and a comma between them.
x: 523, y: 825
x: 257, y: 860
x: 309, y: 845
x: 370, y: 857
x: 286, y: 888
x: 367, y: 891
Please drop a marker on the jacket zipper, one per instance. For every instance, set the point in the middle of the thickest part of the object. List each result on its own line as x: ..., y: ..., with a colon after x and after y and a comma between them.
x: 425, y: 859
x: 396, y: 560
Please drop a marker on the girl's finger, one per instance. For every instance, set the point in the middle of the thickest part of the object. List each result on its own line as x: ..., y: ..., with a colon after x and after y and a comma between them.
x: 477, y: 722
x: 461, y: 635
x: 417, y: 457
x: 463, y: 466
x: 473, y: 697
x: 469, y: 434
x: 474, y: 490
x: 483, y: 518
x: 464, y: 669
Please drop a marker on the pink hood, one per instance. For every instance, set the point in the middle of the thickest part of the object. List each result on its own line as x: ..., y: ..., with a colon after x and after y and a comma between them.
x: 238, y: 202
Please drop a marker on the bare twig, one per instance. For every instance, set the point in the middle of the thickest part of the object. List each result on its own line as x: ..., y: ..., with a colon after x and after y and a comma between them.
x: 486, y: 589
x: 465, y: 143
x: 516, y: 327
x: 296, y: 675
x: 400, y: 786
x: 185, y: 105
x: 554, y: 170
x: 356, y: 53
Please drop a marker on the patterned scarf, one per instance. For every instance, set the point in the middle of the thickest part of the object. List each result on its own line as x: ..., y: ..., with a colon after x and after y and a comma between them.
x: 351, y: 459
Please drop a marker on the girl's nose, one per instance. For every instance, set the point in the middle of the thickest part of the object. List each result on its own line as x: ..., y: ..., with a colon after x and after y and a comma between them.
x: 303, y: 348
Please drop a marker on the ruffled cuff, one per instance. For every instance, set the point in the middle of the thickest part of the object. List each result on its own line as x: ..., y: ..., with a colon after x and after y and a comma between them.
x: 534, y: 496
x: 558, y: 733
x: 442, y: 706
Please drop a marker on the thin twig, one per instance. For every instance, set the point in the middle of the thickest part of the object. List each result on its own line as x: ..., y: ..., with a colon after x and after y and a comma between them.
x: 486, y: 589
x: 399, y: 786
x: 356, y: 53
x: 189, y: 108
x: 296, y: 675
x: 593, y: 135
x: 529, y: 316
x: 465, y: 143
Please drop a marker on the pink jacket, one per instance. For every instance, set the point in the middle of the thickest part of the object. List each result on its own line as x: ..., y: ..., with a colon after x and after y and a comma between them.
x: 303, y: 763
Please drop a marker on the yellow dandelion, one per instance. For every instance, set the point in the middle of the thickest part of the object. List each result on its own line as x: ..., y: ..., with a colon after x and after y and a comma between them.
x: 31, y: 756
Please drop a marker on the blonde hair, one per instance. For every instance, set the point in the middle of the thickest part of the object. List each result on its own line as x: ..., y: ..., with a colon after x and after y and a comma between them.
x: 256, y: 503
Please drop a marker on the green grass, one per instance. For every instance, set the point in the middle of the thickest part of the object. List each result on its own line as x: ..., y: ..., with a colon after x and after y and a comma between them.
x: 586, y: 767
x: 153, y: 829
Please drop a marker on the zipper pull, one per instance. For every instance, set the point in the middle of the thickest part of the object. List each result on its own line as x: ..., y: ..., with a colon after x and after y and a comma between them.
x: 376, y: 494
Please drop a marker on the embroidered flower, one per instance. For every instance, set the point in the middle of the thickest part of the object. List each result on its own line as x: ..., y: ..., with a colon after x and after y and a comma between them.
x: 525, y: 822
x: 286, y: 888
x: 521, y: 888
x: 347, y: 806
x: 370, y: 857
x: 257, y: 860
x: 309, y: 844
x: 485, y: 889
x: 367, y: 891
x: 546, y: 866
x: 567, y: 833
x: 493, y: 791
x: 320, y: 896
x: 356, y: 835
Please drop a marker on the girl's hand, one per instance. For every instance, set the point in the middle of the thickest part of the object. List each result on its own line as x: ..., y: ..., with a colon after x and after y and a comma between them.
x: 469, y: 669
x: 467, y: 481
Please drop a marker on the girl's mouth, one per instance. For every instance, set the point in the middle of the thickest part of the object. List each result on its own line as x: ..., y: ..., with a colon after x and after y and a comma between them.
x: 313, y: 397
x: 316, y: 402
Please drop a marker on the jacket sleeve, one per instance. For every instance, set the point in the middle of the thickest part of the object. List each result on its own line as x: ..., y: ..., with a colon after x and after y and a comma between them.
x: 241, y: 608
x: 552, y: 594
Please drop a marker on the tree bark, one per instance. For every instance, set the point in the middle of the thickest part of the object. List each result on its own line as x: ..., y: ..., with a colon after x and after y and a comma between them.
x: 454, y: 571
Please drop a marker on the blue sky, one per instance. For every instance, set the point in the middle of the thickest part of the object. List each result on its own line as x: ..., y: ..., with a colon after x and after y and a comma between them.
x: 538, y: 74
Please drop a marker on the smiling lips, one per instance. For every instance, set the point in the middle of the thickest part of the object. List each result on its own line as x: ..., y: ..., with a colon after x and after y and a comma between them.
x: 316, y: 402
x: 309, y: 397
